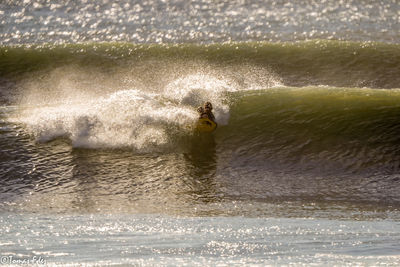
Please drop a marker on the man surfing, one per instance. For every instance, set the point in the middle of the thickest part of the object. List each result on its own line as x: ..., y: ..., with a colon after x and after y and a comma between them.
x: 206, y: 121
x: 206, y: 111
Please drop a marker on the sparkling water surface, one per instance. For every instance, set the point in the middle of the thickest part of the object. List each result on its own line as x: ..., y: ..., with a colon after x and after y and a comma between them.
x: 158, y: 21
x: 149, y: 240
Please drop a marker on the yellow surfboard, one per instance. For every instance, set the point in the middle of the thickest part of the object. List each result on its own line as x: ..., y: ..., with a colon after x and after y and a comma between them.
x: 205, y: 125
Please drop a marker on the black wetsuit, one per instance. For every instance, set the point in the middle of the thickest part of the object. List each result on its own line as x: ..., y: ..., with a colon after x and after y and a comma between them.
x: 209, y: 115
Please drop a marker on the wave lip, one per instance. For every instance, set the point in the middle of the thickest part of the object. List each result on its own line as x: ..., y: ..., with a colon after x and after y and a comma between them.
x: 318, y: 62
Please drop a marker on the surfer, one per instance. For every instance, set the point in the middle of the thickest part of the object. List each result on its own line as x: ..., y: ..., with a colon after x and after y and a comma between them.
x: 206, y: 111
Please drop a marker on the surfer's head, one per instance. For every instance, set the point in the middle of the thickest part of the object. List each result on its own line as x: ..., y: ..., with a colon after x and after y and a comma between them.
x: 208, y: 105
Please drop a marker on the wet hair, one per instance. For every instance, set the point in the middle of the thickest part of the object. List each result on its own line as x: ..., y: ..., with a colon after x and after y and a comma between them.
x: 208, y: 105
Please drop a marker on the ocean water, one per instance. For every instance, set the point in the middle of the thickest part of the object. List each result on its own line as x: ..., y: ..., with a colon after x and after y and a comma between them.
x: 100, y: 163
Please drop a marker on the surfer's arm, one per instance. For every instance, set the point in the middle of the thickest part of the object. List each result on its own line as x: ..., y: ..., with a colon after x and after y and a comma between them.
x: 211, y: 116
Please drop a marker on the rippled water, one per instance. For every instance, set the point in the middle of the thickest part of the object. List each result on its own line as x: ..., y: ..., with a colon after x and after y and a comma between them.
x: 197, y: 21
x: 233, y: 241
